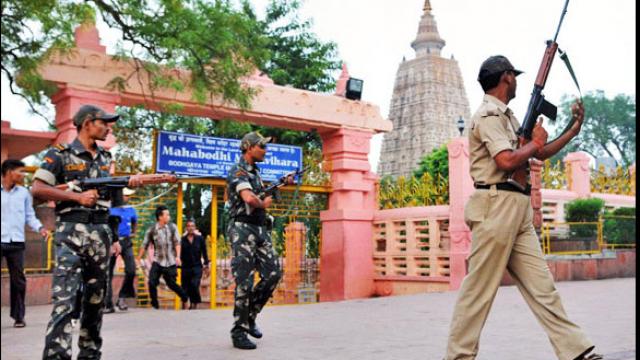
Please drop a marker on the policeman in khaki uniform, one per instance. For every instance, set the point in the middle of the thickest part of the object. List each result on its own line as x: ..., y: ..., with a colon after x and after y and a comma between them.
x: 499, y: 215
x: 82, y: 236
x: 251, y: 240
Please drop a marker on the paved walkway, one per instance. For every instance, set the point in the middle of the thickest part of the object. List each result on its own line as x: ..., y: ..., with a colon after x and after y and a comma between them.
x: 402, y: 327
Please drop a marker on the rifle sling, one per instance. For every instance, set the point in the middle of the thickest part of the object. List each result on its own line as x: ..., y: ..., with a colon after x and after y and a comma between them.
x: 567, y: 63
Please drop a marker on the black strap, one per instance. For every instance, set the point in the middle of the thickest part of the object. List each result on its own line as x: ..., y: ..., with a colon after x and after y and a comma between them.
x: 567, y: 63
x: 506, y: 187
x: 86, y: 217
x: 254, y: 220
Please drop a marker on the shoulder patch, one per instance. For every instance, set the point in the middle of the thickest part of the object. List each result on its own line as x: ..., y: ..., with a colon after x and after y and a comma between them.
x: 48, y: 160
x: 61, y: 147
x: 240, y: 173
x: 489, y: 109
x: 75, y: 167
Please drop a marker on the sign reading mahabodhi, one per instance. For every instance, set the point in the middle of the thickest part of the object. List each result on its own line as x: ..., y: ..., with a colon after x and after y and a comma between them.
x: 188, y: 154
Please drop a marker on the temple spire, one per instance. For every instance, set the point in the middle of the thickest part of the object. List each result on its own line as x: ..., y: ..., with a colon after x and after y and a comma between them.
x: 428, y: 40
x: 427, y: 6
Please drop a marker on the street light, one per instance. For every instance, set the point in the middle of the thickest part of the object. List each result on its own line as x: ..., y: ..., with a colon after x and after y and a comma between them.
x: 460, y: 123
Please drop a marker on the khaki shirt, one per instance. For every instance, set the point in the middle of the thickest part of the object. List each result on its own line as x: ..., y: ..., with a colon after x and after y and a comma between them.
x: 493, y: 129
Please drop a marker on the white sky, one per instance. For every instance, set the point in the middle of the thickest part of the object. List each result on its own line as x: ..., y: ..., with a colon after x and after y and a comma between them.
x: 374, y: 35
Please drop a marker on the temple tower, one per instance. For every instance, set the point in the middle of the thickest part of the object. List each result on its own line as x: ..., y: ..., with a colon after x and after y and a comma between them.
x: 428, y: 97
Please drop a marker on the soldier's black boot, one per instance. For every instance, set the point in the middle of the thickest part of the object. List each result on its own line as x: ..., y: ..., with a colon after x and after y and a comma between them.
x: 241, y: 341
x: 254, y: 330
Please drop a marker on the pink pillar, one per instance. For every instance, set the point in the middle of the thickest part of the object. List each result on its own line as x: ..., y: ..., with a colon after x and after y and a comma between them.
x: 578, y: 173
x: 460, y: 189
x: 346, y: 256
x: 67, y: 102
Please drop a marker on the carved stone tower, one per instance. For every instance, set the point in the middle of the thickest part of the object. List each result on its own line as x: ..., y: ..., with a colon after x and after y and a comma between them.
x: 428, y: 97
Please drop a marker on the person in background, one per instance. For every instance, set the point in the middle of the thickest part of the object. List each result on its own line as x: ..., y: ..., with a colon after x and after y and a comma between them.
x: 166, y: 245
x: 126, y: 233
x: 17, y: 210
x: 194, y: 259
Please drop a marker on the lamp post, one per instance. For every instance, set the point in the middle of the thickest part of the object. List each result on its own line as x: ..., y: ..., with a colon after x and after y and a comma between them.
x: 460, y: 124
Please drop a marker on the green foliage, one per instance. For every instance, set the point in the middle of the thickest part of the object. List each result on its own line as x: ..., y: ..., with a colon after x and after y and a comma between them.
x: 297, y: 57
x: 620, y: 226
x: 30, y: 28
x: 583, y: 210
x: 609, y: 127
x: 435, y: 163
x: 219, y: 42
x: 216, y: 41
x: 414, y: 191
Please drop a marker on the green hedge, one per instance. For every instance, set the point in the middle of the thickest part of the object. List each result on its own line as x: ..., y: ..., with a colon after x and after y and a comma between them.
x: 620, y: 226
x: 583, y: 210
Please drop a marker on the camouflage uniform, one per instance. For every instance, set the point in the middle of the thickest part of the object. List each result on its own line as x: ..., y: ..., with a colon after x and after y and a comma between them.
x: 252, y: 248
x: 82, y: 251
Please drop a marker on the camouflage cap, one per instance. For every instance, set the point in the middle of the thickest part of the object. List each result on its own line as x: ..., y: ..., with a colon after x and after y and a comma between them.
x: 253, y: 138
x: 496, y: 65
x: 96, y: 112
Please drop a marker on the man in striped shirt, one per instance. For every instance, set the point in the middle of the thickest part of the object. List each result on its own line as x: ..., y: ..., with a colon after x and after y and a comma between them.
x: 166, y: 255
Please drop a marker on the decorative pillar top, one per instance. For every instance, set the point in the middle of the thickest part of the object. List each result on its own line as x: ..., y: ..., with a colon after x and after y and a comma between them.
x: 578, y: 173
x: 87, y: 37
x: 428, y: 40
x: 341, y: 84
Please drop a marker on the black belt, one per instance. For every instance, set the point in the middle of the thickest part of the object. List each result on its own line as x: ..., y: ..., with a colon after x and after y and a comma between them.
x: 507, y: 187
x: 254, y: 220
x: 86, y: 217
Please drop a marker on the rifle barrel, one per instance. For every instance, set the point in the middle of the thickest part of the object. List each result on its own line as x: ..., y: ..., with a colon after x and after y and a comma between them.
x: 564, y: 11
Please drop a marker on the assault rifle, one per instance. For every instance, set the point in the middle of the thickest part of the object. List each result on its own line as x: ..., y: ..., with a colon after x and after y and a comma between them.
x: 537, y: 104
x: 272, y: 190
x: 110, y: 188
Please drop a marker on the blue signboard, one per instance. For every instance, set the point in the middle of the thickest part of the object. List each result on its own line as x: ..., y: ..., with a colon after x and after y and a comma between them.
x: 188, y: 154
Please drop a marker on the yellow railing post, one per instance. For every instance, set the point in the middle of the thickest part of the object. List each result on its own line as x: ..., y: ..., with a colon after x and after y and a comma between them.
x: 49, y: 249
x: 213, y: 259
x: 600, y: 234
x: 179, y: 224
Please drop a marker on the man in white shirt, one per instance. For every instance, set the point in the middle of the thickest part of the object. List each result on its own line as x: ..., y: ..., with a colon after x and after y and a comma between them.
x: 17, y: 210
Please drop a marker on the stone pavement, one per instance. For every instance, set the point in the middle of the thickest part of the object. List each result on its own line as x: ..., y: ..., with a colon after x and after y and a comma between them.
x: 402, y: 327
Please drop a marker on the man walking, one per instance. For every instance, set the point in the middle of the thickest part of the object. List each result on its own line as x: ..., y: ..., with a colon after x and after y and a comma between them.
x: 194, y: 252
x: 126, y: 233
x: 82, y: 237
x: 166, y: 255
x: 500, y: 217
x: 251, y: 241
x: 17, y: 210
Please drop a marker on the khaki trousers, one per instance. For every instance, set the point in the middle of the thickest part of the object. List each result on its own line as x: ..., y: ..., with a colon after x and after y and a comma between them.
x: 504, y: 237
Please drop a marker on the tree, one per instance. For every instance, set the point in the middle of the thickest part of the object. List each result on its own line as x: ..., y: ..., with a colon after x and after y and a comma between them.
x: 216, y: 41
x: 436, y: 163
x: 609, y: 127
x: 297, y: 57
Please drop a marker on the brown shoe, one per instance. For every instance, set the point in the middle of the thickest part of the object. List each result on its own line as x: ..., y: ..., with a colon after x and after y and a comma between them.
x: 19, y: 324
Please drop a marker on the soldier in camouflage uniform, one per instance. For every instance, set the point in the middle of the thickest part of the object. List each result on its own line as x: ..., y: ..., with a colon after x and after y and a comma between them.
x: 251, y: 240
x: 82, y: 236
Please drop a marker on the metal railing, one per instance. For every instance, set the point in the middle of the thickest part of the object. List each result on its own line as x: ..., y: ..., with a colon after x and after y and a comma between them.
x: 47, y: 261
x: 580, y: 238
